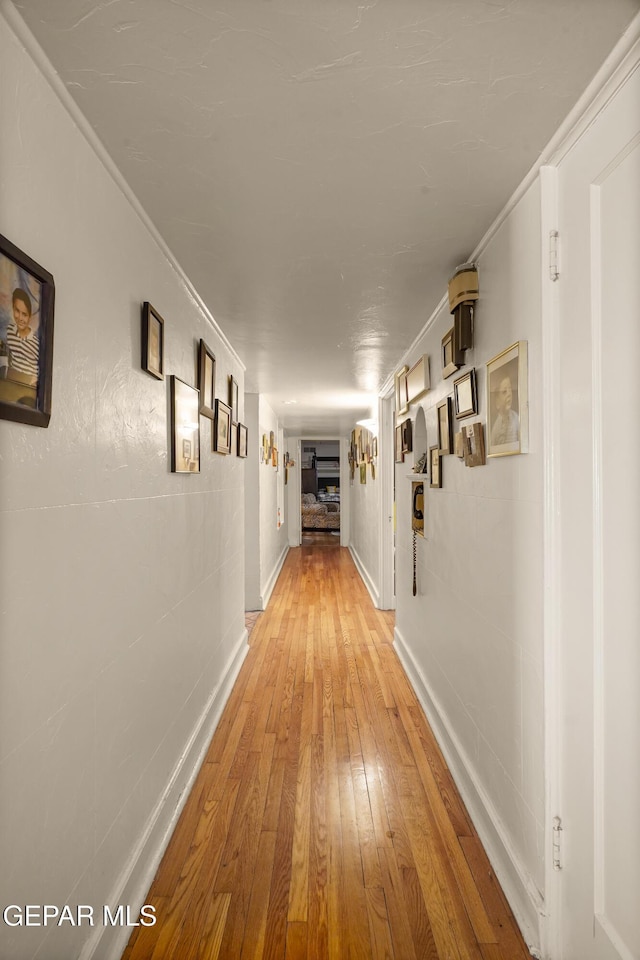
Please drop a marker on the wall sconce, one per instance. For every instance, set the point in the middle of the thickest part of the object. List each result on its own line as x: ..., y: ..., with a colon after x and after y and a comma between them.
x: 463, y: 292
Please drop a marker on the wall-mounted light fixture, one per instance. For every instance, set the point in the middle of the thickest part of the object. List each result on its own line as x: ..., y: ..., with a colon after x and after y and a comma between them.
x: 463, y: 292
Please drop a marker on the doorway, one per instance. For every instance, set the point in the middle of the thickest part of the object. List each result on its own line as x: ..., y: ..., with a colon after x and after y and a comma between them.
x: 320, y: 488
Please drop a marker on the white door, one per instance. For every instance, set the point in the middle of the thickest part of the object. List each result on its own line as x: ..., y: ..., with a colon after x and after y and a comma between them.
x: 599, y: 461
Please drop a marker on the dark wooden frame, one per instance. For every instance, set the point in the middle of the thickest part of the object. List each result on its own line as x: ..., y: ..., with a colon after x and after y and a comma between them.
x: 435, y: 476
x: 470, y: 375
x: 223, y: 410
x: 407, y: 436
x: 445, y: 443
x: 243, y: 440
x: 181, y: 390
x: 35, y: 406
x: 149, y: 317
x: 206, y: 353
x: 452, y: 362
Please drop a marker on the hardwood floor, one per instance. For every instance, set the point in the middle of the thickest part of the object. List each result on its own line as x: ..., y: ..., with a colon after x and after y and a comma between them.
x: 324, y: 823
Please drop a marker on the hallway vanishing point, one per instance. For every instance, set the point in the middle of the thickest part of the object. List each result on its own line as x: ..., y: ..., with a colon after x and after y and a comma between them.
x: 324, y: 823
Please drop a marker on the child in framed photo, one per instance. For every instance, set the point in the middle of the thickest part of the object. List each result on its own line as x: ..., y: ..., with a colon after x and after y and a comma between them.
x: 26, y: 337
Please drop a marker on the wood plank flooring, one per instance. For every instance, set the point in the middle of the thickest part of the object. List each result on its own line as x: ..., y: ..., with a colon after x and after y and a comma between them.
x: 324, y: 824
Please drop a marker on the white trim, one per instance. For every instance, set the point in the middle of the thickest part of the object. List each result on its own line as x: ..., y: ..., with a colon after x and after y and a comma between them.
x: 273, y: 579
x: 519, y: 889
x: 366, y: 578
x: 551, y: 929
x: 132, y: 886
x: 42, y: 62
x: 598, y: 542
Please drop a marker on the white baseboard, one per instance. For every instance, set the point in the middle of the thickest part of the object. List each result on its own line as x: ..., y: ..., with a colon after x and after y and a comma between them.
x: 271, y: 582
x: 108, y: 943
x: 523, y: 897
x: 366, y: 579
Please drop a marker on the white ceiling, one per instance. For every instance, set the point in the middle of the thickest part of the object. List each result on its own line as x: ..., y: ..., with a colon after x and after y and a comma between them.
x: 319, y: 167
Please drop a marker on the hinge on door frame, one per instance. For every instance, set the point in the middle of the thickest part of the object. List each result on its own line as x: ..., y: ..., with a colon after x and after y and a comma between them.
x: 557, y: 843
x: 554, y: 272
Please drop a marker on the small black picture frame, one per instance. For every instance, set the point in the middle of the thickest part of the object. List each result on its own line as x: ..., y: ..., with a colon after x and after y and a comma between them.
x: 207, y: 380
x: 243, y: 440
x: 27, y: 295
x: 152, y: 341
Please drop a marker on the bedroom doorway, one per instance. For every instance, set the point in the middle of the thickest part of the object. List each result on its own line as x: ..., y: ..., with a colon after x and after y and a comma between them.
x: 320, y: 489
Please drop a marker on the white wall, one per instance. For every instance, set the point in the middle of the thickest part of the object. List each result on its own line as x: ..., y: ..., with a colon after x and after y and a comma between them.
x: 274, y: 540
x: 364, y: 528
x: 253, y: 474
x: 121, y: 584
x: 473, y: 636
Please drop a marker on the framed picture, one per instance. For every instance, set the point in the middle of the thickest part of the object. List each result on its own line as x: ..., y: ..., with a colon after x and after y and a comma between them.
x: 435, y: 464
x: 452, y: 360
x: 27, y: 294
x: 222, y: 428
x: 207, y: 380
x: 233, y: 399
x: 508, y: 417
x: 374, y: 447
x: 418, y: 381
x: 363, y: 473
x: 473, y: 444
x: 243, y: 444
x: 185, y: 427
x: 402, y: 403
x: 152, y: 341
x: 445, y: 426
x: 399, y: 453
x: 465, y: 395
x: 407, y: 436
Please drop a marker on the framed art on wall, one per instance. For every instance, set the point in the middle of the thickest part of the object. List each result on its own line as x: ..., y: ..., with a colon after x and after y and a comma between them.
x: 222, y: 428
x: 435, y: 464
x: 27, y: 294
x: 152, y: 341
x: 407, y: 436
x: 451, y: 358
x: 242, y: 440
x: 185, y: 427
x: 207, y: 380
x: 465, y: 395
x: 445, y: 438
x: 507, y: 394
x: 233, y: 399
x: 399, y: 453
x: 402, y: 403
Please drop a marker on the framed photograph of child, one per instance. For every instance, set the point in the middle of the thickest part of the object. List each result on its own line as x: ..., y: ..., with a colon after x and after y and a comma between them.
x: 508, y: 417
x: 27, y: 294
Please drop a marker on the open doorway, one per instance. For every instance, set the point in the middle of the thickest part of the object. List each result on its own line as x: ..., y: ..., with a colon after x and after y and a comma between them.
x: 320, y: 489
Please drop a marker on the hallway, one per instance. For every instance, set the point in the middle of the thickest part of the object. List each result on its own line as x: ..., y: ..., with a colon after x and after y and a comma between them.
x: 323, y: 822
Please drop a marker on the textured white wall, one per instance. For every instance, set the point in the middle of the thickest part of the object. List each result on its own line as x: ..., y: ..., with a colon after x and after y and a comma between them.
x: 364, y: 537
x: 474, y: 632
x: 274, y: 540
x: 254, y: 472
x: 121, y: 584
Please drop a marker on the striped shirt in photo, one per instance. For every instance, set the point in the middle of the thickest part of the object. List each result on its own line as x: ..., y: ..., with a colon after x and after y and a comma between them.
x: 23, y: 351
